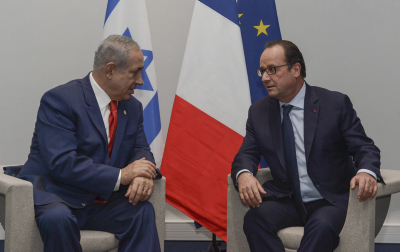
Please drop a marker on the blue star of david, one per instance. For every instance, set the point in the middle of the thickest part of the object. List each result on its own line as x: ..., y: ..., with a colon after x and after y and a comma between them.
x: 149, y: 58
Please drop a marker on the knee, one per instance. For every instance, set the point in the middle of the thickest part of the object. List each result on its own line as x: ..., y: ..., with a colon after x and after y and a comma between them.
x: 255, y: 220
x: 322, y: 227
x: 56, y: 216
x: 147, y: 209
x: 251, y: 220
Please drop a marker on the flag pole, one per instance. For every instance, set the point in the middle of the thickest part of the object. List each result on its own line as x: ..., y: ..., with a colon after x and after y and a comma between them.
x: 214, y: 246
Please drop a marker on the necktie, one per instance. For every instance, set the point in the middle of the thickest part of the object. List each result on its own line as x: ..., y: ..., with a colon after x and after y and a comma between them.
x: 112, y: 126
x: 291, y: 161
x: 112, y: 120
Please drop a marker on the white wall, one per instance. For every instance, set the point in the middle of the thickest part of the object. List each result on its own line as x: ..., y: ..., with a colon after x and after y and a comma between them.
x: 349, y: 46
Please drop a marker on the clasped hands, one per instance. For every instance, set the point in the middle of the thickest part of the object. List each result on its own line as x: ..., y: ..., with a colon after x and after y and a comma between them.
x: 250, y: 188
x: 139, y: 176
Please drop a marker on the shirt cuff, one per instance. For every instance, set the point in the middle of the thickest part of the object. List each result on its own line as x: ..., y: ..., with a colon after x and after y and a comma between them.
x: 369, y: 172
x: 116, y: 188
x: 244, y: 170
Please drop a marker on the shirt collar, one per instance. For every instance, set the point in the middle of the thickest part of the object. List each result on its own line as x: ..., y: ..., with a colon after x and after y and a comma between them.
x: 298, y: 100
x: 101, y: 96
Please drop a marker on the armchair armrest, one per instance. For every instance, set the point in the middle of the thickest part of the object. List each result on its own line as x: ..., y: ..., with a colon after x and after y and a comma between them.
x: 365, y: 219
x: 236, y: 210
x: 158, y: 201
x: 16, y: 198
x: 358, y: 233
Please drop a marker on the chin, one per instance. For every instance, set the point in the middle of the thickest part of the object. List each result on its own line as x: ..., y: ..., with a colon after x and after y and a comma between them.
x: 272, y: 94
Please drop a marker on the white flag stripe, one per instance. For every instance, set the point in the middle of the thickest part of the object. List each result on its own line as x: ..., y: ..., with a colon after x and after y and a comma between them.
x: 211, y: 69
x: 144, y: 96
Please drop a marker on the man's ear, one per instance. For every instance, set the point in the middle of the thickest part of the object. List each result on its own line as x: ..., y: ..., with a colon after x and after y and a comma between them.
x: 110, y: 68
x: 297, y: 69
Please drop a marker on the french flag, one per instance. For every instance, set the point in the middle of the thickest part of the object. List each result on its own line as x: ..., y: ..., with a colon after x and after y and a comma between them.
x: 209, y: 115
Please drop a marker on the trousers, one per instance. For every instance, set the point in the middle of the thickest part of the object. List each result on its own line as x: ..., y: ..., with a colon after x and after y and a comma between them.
x: 134, y: 226
x: 321, y: 230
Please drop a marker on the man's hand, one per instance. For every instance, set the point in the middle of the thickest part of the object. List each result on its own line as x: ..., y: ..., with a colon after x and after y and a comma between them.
x: 139, y: 168
x: 250, y: 189
x: 367, y: 186
x: 140, y: 189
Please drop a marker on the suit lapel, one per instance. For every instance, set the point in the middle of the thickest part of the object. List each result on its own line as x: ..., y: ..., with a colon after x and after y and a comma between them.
x: 276, y: 130
x: 311, y: 113
x: 121, y: 124
x: 92, y: 107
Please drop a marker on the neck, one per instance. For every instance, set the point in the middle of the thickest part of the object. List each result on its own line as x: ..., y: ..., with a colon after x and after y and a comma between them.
x: 299, y: 85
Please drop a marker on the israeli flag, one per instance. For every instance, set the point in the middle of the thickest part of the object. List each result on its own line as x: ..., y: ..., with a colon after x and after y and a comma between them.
x: 129, y: 18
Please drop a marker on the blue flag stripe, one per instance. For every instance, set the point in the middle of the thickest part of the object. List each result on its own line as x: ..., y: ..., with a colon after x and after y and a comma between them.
x: 110, y: 7
x: 226, y: 8
x: 151, y: 119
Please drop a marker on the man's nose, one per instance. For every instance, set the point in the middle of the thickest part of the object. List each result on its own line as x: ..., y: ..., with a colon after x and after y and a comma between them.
x: 265, y: 77
x: 139, y: 79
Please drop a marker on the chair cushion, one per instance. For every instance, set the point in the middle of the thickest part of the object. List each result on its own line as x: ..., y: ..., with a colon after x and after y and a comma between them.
x: 291, y: 237
x: 97, y: 241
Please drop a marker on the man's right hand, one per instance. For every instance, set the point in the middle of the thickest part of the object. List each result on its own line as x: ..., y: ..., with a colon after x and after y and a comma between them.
x: 250, y: 189
x: 139, y: 168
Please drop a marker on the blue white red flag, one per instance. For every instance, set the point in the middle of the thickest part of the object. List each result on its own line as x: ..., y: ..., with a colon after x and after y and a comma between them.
x: 209, y: 115
x: 129, y: 18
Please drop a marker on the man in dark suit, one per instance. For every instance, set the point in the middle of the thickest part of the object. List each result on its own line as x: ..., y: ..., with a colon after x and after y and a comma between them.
x: 90, y: 164
x: 316, y: 148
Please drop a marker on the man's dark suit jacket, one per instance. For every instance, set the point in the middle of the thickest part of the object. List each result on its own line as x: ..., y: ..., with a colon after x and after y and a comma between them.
x: 69, y: 161
x: 336, y: 145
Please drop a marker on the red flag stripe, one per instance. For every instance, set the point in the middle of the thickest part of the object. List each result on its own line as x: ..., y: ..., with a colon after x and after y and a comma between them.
x: 197, y: 159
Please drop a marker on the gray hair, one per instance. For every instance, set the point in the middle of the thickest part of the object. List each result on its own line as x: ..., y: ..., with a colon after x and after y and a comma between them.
x: 116, y: 49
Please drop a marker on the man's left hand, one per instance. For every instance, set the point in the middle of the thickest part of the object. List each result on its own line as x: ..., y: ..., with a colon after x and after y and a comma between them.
x: 140, y: 189
x: 367, y: 186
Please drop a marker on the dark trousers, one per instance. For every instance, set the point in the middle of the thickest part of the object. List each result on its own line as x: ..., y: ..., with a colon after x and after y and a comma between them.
x: 321, y: 230
x: 133, y: 226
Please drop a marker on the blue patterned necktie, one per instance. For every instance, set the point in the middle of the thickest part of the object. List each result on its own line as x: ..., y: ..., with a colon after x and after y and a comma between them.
x: 291, y: 161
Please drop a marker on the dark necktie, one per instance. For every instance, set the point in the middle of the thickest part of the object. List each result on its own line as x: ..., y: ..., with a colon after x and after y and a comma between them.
x: 291, y: 161
x: 112, y: 120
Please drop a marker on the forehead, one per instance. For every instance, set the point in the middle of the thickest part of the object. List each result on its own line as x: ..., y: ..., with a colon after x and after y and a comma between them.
x: 273, y: 56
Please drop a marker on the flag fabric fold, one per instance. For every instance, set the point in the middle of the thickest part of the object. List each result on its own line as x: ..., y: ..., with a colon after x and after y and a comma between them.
x: 129, y: 18
x: 209, y: 114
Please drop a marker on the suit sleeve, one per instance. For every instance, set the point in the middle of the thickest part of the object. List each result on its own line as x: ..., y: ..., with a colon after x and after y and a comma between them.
x: 249, y: 153
x: 56, y: 132
x: 363, y: 150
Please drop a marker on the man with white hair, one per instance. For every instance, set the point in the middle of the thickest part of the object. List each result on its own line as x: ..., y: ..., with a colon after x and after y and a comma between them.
x: 90, y: 164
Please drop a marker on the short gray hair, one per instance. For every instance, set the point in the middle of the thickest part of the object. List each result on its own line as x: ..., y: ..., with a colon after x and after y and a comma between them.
x: 116, y: 49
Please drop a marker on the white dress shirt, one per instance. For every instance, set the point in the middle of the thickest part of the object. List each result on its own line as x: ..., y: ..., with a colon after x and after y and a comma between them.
x: 103, y: 100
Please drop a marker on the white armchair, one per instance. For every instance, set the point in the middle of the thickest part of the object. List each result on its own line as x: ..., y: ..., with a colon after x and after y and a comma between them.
x: 363, y: 221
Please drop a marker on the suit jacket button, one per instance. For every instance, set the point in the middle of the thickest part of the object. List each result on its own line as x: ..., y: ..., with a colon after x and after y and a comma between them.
x: 83, y: 204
